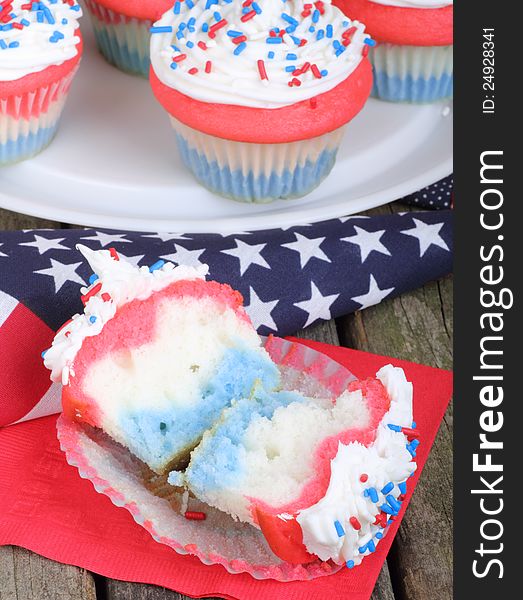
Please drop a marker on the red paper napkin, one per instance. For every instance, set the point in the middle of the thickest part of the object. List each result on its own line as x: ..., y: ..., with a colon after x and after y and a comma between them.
x: 46, y: 507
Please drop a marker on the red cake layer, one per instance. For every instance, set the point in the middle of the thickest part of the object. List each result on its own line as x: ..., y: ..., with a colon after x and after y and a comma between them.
x: 397, y: 25
x: 36, y: 81
x: 303, y: 120
x: 150, y: 9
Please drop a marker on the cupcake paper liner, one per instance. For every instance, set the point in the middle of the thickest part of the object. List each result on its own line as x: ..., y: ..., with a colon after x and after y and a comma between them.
x: 250, y: 172
x: 122, y: 40
x: 418, y: 74
x: 28, y: 123
x: 219, y: 539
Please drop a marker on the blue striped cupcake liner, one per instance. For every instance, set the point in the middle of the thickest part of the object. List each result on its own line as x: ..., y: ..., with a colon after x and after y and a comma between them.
x: 123, y: 41
x: 418, y: 74
x: 257, y: 173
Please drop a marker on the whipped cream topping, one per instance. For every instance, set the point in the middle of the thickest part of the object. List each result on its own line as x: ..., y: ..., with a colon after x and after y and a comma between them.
x: 36, y: 35
x: 415, y: 3
x: 115, y: 282
x: 264, y: 53
x: 366, y: 483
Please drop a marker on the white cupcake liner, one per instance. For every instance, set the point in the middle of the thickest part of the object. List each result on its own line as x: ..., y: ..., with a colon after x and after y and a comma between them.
x: 123, y: 41
x: 29, y: 122
x: 219, y: 539
x: 251, y: 172
x: 417, y: 74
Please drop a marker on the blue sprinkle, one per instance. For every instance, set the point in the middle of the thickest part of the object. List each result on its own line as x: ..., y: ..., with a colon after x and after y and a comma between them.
x: 316, y: 16
x: 44, y: 353
x: 388, y: 509
x: 176, y: 8
x: 395, y: 428
x: 25, y: 22
x: 296, y: 40
x: 324, y: 73
x: 15, y: 44
x: 339, y: 529
x: 345, y: 23
x: 289, y: 19
x: 373, y: 494
x: 366, y: 493
x: 174, y: 66
x: 290, y: 68
x: 329, y: 30
x: 157, y: 265
x: 270, y: 54
x: 246, y: 10
x: 370, y: 42
x: 205, y: 27
x: 180, y: 35
x: 414, y: 444
x: 64, y: 21
x: 92, y: 319
x: 388, y: 488
x: 320, y: 35
x: 350, y: 564
x: 189, y: 44
x: 76, y: 7
x: 362, y: 549
x: 93, y: 278
x: 189, y: 3
x: 217, y: 16
x: 240, y: 48
x: 273, y: 40
x: 393, y: 502
x: 291, y: 56
x: 256, y: 7
x: 403, y: 487
x: 232, y: 33
x: 3, y: 45
x: 411, y: 450
x: 413, y: 424
x: 312, y: 29
x: 371, y: 546
x: 164, y: 29
x: 379, y: 535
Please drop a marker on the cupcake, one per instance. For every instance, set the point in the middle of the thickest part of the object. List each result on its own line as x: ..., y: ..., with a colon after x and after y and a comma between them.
x: 121, y: 29
x: 156, y: 356
x: 413, y: 58
x: 259, y: 93
x: 321, y: 479
x: 40, y: 48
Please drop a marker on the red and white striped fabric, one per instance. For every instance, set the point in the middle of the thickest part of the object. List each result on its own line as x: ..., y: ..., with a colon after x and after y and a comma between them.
x: 26, y: 391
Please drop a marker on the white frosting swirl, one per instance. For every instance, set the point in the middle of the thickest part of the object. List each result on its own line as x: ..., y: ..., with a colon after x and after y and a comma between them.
x: 118, y: 282
x: 193, y: 54
x: 32, y: 39
x: 387, y: 461
x: 415, y: 3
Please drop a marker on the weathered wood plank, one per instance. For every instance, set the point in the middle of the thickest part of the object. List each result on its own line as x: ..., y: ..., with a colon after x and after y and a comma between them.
x: 27, y: 576
x: 418, y: 326
x: 11, y: 220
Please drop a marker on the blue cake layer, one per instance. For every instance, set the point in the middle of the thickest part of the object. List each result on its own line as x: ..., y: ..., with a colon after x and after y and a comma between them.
x: 156, y: 436
x: 262, y: 188
x: 120, y: 55
x: 26, y: 146
x: 217, y: 462
x: 407, y: 89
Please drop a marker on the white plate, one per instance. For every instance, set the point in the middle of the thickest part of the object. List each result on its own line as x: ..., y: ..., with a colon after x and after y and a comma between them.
x: 115, y: 164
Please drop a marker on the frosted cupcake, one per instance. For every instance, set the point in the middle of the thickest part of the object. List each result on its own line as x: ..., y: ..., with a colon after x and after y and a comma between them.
x: 121, y: 28
x: 40, y: 48
x: 413, y: 60
x: 156, y: 356
x: 321, y: 479
x: 259, y: 93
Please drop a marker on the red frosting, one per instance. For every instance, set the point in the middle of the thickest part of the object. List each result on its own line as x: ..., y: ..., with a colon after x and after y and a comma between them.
x: 34, y: 81
x: 141, y: 9
x: 303, y: 120
x: 406, y: 26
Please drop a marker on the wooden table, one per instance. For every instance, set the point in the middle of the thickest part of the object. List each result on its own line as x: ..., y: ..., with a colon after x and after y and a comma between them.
x: 417, y: 327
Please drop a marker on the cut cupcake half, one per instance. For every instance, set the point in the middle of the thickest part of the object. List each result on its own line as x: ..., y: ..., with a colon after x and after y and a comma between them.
x: 319, y: 478
x: 156, y: 356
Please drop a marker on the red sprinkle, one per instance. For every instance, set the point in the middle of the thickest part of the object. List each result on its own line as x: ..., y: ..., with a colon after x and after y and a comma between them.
x: 381, y: 520
x: 261, y: 69
x: 179, y: 58
x: 411, y: 434
x: 214, y: 28
x: 94, y: 290
x: 208, y: 66
x: 365, y: 50
x: 364, y: 477
x: 355, y: 523
x: 239, y: 39
x: 18, y: 26
x: 114, y: 254
x: 192, y: 71
x: 296, y: 82
x: 348, y: 33
x: 248, y: 16
x: 302, y: 43
x: 193, y: 515
x: 202, y: 45
x: 106, y: 297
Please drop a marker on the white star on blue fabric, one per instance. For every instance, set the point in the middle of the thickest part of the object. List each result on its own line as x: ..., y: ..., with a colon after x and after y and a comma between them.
x: 260, y: 311
x: 317, y: 306
x: 307, y: 249
x: 1, y: 253
x: 105, y: 239
x: 167, y: 237
x: 62, y: 273
x: 374, y: 296
x: 43, y: 244
x: 182, y: 256
x: 427, y: 235
x: 248, y: 254
x: 368, y: 241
